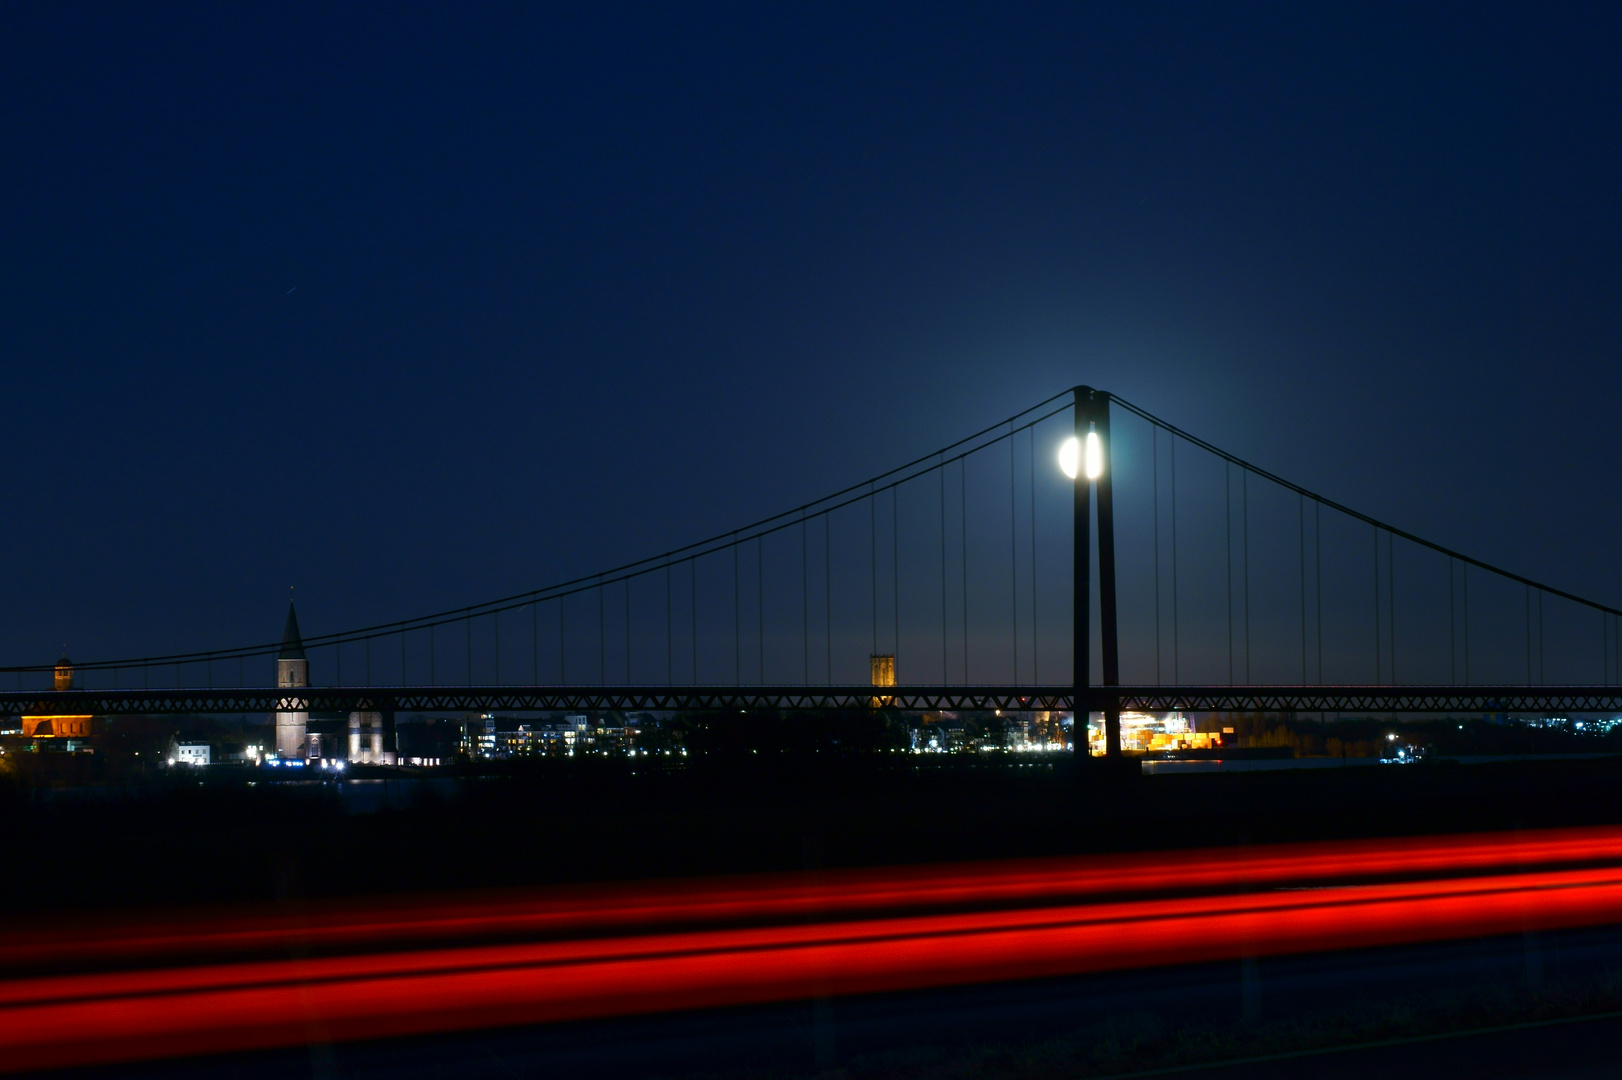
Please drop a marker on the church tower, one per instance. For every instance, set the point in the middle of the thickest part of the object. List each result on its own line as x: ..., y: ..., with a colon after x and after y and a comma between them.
x: 292, y: 670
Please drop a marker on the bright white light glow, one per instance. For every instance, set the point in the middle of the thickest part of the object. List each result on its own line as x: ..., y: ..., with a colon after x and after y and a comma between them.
x: 1070, y: 457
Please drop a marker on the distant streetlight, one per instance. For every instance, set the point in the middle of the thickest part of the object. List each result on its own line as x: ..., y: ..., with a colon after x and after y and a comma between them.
x: 1072, y: 459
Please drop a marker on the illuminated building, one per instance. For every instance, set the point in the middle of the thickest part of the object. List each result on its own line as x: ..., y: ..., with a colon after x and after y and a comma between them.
x: 367, y: 733
x: 192, y: 754
x: 292, y: 671
x: 54, y: 725
x: 490, y: 736
x: 366, y: 739
x: 198, y: 753
x: 575, y: 732
x: 1046, y: 732
x: 1147, y: 733
x: 882, y: 666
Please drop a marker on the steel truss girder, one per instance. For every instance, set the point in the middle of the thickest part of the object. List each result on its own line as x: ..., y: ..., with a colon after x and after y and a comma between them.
x: 1374, y: 699
x: 412, y: 699
x: 533, y: 699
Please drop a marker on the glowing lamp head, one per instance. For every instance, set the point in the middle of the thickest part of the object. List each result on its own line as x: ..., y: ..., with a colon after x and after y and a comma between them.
x: 1070, y: 457
x: 1077, y: 459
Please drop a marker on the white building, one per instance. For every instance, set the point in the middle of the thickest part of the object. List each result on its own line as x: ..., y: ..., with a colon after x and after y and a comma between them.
x: 193, y: 754
x: 366, y: 740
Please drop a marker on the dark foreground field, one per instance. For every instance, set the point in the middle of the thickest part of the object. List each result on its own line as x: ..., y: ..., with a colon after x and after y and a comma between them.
x: 226, y: 841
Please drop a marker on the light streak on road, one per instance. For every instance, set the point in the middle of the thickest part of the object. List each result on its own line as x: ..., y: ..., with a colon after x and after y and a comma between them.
x: 442, y: 965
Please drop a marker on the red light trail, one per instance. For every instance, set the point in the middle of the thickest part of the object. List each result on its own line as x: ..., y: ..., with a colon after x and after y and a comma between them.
x: 589, y: 953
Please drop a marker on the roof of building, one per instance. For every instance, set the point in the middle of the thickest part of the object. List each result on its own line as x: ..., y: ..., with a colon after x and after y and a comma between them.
x: 292, y: 641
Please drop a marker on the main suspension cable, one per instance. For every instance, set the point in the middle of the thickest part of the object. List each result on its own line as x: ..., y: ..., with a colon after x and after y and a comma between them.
x: 1172, y: 429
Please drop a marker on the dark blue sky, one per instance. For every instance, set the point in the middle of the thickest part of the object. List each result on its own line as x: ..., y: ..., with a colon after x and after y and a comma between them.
x: 415, y: 306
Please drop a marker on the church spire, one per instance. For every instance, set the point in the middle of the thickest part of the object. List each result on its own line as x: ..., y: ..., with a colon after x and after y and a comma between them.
x: 292, y: 641
x: 292, y: 673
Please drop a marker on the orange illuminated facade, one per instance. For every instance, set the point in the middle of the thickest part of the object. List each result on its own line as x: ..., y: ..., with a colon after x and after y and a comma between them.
x: 883, y: 670
x: 59, y: 725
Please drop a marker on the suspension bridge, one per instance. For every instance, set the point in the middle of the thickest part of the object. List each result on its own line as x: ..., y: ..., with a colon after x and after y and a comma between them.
x: 1164, y: 574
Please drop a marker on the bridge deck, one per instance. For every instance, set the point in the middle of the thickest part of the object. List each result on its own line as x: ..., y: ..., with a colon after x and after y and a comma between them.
x: 1383, y: 699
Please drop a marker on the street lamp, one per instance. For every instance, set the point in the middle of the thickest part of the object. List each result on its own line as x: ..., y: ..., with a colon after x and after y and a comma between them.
x: 1072, y: 459
x: 1070, y: 456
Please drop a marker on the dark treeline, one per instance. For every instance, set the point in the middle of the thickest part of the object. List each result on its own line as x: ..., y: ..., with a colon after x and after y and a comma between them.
x: 851, y: 732
x: 1309, y: 736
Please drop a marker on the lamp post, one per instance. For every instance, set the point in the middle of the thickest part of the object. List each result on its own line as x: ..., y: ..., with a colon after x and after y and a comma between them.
x: 1083, y: 459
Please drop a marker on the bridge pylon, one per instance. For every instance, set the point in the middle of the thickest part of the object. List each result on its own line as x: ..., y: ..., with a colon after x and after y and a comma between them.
x: 1093, y: 484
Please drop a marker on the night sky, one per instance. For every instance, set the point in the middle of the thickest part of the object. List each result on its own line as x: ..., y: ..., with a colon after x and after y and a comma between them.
x: 414, y: 306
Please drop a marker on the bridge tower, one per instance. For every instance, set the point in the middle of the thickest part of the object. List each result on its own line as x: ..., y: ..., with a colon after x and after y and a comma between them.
x: 1093, y: 483
x: 292, y: 670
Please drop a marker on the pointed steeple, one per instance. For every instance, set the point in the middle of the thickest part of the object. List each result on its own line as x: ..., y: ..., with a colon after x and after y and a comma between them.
x: 292, y: 640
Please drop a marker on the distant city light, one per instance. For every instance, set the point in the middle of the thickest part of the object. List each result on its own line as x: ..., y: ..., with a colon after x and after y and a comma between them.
x: 1070, y: 457
x: 1095, y: 456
